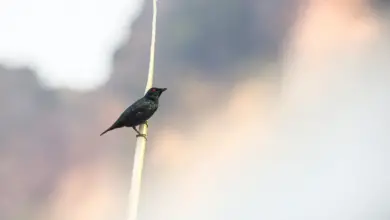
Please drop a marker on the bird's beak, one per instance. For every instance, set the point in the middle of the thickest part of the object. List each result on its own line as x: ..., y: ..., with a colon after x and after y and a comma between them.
x: 163, y: 89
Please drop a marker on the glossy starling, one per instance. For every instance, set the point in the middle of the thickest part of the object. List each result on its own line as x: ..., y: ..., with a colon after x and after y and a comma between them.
x: 139, y: 112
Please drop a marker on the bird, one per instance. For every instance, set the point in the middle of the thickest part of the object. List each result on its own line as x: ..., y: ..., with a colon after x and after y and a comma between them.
x: 139, y: 112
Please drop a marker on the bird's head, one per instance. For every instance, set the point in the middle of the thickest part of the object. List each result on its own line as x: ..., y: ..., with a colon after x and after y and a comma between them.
x: 155, y: 92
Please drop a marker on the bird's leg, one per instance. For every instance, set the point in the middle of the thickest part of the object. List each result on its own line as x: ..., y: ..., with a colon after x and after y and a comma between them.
x: 139, y: 133
x: 146, y: 123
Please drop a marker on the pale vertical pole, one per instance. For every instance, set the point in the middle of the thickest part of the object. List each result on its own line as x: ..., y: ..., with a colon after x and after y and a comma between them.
x: 140, y: 148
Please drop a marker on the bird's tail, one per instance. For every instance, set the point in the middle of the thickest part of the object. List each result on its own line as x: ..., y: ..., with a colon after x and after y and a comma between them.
x: 117, y: 124
x: 108, y: 129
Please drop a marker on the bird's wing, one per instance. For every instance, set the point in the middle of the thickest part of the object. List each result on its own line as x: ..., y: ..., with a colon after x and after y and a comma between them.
x: 137, y: 109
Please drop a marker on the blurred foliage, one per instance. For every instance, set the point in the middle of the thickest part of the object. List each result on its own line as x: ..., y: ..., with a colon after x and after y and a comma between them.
x: 212, y: 33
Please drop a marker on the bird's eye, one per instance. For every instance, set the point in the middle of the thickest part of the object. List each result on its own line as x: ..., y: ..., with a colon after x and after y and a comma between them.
x: 153, y: 90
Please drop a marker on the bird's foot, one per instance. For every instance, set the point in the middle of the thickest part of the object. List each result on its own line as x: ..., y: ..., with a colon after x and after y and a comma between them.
x: 142, y: 135
x: 146, y: 123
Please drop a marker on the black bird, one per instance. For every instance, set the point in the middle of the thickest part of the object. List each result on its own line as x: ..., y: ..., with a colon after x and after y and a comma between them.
x: 139, y: 112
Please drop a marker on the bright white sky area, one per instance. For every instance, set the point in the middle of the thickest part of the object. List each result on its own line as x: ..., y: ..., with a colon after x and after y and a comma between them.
x: 70, y: 43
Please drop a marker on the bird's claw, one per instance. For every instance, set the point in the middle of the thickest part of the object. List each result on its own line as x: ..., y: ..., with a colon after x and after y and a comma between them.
x: 142, y: 135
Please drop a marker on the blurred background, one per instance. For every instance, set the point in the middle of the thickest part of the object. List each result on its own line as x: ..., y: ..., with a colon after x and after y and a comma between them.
x: 275, y: 109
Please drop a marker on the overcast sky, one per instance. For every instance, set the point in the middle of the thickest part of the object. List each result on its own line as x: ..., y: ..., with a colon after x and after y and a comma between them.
x: 69, y: 42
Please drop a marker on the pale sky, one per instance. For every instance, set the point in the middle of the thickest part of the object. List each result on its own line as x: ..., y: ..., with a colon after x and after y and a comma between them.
x: 69, y: 42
